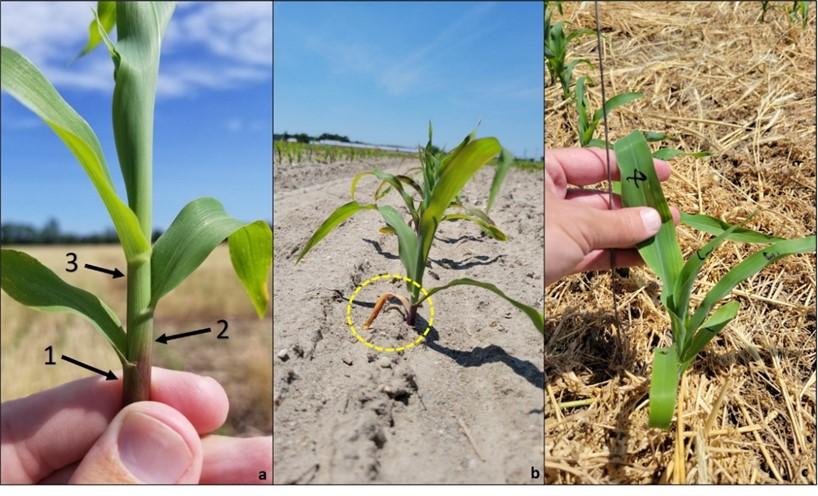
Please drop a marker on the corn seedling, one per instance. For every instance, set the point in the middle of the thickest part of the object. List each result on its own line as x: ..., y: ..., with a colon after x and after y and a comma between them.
x: 556, y: 51
x: 152, y: 271
x: 800, y: 9
x: 691, y: 330
x: 588, y: 122
x: 428, y: 201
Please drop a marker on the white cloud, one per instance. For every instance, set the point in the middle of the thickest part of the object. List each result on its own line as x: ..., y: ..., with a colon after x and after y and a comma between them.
x: 237, y: 35
x: 239, y: 30
x: 237, y: 125
x: 21, y: 123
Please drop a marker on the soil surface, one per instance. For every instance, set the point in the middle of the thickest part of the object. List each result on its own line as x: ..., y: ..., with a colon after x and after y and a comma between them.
x: 465, y: 405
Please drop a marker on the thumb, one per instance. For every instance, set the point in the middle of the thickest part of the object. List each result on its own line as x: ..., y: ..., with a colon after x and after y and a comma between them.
x: 621, y: 228
x: 147, y: 442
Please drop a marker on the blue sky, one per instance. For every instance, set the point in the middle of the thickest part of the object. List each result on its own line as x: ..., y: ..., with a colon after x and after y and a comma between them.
x: 377, y: 72
x: 213, y: 121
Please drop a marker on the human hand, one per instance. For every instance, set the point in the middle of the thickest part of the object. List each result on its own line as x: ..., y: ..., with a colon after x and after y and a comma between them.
x: 76, y: 433
x: 579, y: 227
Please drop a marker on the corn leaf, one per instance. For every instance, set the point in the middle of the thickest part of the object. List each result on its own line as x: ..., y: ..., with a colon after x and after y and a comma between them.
x: 641, y: 188
x: 669, y: 153
x: 616, y: 102
x: 716, y: 226
x: 199, y: 228
x: 251, y: 253
x: 27, y: 84
x: 33, y: 284
x: 457, y: 171
x: 407, y: 239
x: 338, y: 216
x: 393, y: 181
x: 711, y: 327
x: 532, y: 313
x: 385, y: 188
x: 746, y: 269
x: 664, y: 382
x: 597, y: 143
x: 104, y: 21
x: 577, y: 32
x: 583, y: 121
x: 506, y: 159
x: 489, y: 228
x: 684, y: 284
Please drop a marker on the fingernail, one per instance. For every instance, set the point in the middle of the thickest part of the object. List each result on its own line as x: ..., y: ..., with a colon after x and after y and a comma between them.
x: 153, y: 452
x: 651, y: 220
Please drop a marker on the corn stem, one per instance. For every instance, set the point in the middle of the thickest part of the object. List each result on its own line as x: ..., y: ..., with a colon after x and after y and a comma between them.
x: 133, y: 106
x: 137, y: 374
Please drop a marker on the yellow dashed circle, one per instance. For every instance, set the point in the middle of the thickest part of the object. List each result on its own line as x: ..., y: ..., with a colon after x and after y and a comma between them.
x: 397, y: 348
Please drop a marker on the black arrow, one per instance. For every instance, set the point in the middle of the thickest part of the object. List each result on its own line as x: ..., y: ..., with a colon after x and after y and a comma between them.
x: 109, y: 376
x: 115, y: 273
x: 164, y: 339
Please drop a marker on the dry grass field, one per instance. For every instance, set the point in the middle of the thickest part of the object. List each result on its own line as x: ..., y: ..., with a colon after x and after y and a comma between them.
x: 242, y: 364
x: 714, y: 79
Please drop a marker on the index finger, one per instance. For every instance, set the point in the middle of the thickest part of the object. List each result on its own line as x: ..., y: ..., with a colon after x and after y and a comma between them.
x: 584, y: 166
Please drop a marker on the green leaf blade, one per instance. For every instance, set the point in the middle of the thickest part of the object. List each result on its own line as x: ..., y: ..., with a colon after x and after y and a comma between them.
x: 199, y: 228
x: 459, y: 168
x: 28, y: 86
x: 503, y: 165
x: 251, y: 253
x: 690, y: 270
x: 31, y: 283
x: 746, y: 269
x: 393, y: 181
x: 664, y: 383
x: 532, y: 313
x: 616, y: 102
x: 710, y: 329
x: 641, y: 188
x: 486, y: 226
x: 335, y: 219
x: 716, y: 227
x: 105, y: 21
x: 407, y: 239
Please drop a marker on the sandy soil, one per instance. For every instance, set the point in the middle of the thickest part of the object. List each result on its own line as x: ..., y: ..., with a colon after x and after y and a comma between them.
x: 466, y: 406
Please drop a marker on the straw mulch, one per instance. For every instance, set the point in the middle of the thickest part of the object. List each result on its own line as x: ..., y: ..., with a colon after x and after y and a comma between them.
x: 714, y: 79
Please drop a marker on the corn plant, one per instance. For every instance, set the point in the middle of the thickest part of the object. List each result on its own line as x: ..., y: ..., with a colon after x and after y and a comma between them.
x: 556, y: 51
x: 428, y: 202
x: 692, y: 329
x: 588, y: 122
x: 800, y: 9
x: 152, y: 271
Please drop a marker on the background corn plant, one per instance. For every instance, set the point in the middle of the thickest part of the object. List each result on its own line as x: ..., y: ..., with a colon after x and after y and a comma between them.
x: 555, y: 49
x: 152, y: 270
x: 428, y: 201
x: 691, y: 331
